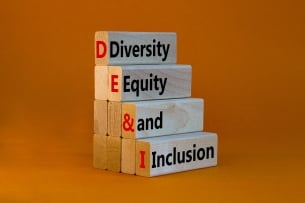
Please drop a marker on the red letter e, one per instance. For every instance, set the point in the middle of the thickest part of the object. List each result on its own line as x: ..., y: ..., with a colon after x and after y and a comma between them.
x: 114, y: 83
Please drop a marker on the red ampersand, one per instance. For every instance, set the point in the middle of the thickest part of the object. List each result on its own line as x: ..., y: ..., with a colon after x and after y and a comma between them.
x: 128, y: 126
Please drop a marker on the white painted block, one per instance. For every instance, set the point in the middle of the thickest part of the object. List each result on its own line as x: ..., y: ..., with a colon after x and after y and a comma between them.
x: 161, y: 117
x: 117, y: 48
x: 175, y: 153
x: 147, y: 82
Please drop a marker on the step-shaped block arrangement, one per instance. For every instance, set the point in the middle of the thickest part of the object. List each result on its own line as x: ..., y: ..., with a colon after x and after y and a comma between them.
x: 145, y: 122
x: 117, y: 48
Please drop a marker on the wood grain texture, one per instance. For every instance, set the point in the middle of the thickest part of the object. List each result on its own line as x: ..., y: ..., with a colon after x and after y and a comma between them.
x: 100, y: 45
x: 115, y: 48
x: 100, y: 117
x: 100, y: 82
x: 149, y: 82
x: 128, y: 110
x: 114, y: 153
x: 114, y: 119
x: 128, y: 156
x: 143, y: 159
x: 175, y: 153
x: 99, y: 151
x: 114, y: 88
x: 161, y: 117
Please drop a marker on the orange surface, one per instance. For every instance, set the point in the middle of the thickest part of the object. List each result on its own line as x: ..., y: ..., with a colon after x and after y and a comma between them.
x: 248, y: 62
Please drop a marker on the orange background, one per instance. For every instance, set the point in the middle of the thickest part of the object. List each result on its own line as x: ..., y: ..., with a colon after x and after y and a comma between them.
x: 248, y: 62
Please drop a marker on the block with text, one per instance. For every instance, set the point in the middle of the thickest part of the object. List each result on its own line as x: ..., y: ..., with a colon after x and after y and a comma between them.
x: 161, y: 117
x: 148, y: 82
x: 175, y: 153
x: 113, y: 48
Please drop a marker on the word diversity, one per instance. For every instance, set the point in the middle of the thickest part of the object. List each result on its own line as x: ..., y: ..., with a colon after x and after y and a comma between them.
x: 117, y: 48
x: 145, y: 121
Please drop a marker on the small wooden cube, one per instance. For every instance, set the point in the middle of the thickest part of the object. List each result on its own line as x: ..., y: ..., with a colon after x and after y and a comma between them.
x: 114, y: 118
x: 128, y: 159
x: 99, y: 151
x: 100, y: 82
x: 113, y: 151
x: 100, y: 117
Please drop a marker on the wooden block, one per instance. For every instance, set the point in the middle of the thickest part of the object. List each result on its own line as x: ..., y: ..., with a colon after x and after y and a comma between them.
x: 175, y: 153
x: 113, y: 153
x: 114, y: 119
x: 101, y: 82
x: 99, y: 151
x: 128, y: 163
x: 161, y: 117
x: 100, y: 117
x: 148, y: 82
x: 113, y: 48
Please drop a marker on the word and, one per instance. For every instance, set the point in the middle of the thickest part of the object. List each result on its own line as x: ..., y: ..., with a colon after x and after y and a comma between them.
x: 180, y: 157
x: 150, y: 123
x: 153, y: 83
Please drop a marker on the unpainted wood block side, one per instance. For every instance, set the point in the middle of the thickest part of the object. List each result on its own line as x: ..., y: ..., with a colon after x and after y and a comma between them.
x: 99, y: 151
x: 114, y: 92
x: 143, y: 160
x: 101, y: 82
x: 114, y: 118
x: 100, y: 117
x: 128, y: 121
x: 101, y: 46
x: 114, y: 153
x: 128, y: 156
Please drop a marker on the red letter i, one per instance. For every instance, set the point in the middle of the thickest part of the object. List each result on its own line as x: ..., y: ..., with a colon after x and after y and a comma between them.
x: 142, y: 164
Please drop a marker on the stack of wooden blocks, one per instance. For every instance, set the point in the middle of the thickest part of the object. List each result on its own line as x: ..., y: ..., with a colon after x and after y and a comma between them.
x: 145, y: 122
